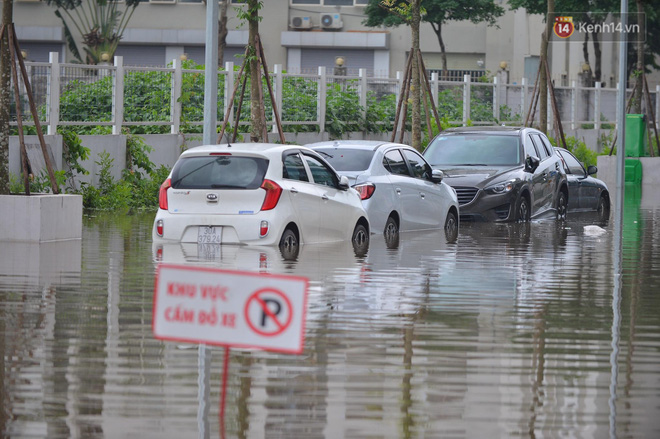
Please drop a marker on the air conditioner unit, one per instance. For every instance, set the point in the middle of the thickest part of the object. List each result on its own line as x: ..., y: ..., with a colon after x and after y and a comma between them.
x: 331, y: 21
x: 301, y: 22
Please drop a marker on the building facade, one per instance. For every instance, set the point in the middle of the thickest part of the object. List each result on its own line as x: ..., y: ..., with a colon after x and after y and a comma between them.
x: 302, y: 35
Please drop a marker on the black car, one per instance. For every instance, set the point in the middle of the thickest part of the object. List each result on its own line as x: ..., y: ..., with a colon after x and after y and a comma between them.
x: 585, y: 193
x: 501, y: 173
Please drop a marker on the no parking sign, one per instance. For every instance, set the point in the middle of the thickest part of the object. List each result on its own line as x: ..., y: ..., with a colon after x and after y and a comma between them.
x: 230, y: 308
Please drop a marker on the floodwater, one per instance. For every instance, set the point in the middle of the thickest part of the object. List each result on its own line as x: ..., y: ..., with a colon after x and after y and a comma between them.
x: 514, y: 331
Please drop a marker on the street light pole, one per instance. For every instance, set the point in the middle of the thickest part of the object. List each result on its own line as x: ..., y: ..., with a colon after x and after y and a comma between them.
x: 211, y: 74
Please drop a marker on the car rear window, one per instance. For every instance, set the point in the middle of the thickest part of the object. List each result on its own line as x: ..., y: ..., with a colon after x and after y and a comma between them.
x: 346, y: 159
x: 219, y: 172
x: 474, y: 150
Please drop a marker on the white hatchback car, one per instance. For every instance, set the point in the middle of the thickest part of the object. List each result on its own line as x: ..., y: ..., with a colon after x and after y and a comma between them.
x: 397, y: 186
x: 258, y: 194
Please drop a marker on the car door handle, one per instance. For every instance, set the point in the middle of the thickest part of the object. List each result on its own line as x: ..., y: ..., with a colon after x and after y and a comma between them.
x: 398, y: 191
x: 294, y: 190
x: 324, y: 197
x: 422, y: 194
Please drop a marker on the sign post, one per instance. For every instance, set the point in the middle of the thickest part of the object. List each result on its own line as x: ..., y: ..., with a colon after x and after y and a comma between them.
x: 231, y: 309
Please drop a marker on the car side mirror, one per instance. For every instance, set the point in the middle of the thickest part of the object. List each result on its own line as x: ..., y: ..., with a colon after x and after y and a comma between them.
x: 437, y: 175
x: 591, y: 170
x: 531, y: 163
x: 343, y: 183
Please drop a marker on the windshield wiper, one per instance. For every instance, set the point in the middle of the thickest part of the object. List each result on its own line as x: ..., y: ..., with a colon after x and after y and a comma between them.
x: 176, y: 182
x: 326, y: 154
x: 471, y: 164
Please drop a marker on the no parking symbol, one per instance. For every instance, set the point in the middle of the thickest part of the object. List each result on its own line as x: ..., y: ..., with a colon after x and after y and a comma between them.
x: 268, y: 312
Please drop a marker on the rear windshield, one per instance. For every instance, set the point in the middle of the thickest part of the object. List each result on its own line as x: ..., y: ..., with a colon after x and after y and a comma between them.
x: 346, y: 159
x: 219, y: 172
x: 474, y: 150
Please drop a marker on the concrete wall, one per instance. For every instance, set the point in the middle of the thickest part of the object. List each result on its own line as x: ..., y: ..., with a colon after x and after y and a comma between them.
x: 168, y: 147
x: 650, y: 166
x: 650, y: 196
x: 40, y: 217
x: 114, y: 145
x: 35, y: 154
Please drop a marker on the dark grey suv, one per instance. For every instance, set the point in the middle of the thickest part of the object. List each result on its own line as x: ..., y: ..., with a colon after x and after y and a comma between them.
x: 501, y: 173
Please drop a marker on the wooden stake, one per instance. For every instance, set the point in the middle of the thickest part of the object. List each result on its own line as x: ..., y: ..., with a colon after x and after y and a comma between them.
x: 231, y: 101
x: 405, y: 102
x: 278, y: 122
x: 238, y: 110
x: 19, y: 118
x: 33, y: 109
x: 428, y: 90
x: 553, y: 101
x: 534, y: 99
x: 652, y: 114
x: 401, y: 98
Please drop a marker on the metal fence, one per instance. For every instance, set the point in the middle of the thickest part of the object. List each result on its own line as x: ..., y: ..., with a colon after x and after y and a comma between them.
x: 171, y: 99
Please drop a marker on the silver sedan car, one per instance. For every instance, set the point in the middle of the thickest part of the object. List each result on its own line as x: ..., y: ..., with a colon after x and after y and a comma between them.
x: 399, y: 189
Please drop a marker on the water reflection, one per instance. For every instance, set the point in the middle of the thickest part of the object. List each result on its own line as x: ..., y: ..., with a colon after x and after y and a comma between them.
x: 507, y: 332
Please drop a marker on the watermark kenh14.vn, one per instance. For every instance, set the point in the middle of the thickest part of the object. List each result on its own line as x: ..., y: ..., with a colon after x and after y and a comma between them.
x: 576, y: 26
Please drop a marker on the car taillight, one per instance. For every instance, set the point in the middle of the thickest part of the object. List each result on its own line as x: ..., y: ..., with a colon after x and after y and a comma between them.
x: 273, y: 192
x: 365, y: 190
x: 162, y: 194
x: 159, y: 227
x: 263, y: 229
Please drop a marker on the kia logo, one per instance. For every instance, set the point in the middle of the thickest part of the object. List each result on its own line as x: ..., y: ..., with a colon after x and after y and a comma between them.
x: 212, y: 197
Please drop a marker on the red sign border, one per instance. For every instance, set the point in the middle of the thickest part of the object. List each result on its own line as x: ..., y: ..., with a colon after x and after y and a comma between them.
x: 238, y: 273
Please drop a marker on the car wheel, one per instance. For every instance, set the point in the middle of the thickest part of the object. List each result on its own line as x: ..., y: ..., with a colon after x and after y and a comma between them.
x: 522, y: 210
x: 391, y: 233
x: 451, y: 227
x: 360, y: 240
x: 562, y: 203
x: 289, y: 246
x: 391, y: 228
x: 603, y: 208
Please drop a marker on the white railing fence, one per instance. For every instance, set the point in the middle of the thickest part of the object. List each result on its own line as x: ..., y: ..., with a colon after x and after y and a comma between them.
x: 121, y: 96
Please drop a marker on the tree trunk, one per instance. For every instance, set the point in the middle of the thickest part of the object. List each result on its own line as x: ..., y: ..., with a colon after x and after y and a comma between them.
x: 443, y: 54
x: 415, y: 86
x: 256, y: 93
x: 222, y: 33
x: 5, y: 85
x: 598, y: 63
x: 543, y: 79
x: 637, y: 100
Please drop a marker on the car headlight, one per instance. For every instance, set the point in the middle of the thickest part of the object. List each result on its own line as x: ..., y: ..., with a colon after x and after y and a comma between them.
x: 501, y: 188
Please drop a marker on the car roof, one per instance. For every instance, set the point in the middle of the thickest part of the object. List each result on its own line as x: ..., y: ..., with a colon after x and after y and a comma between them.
x: 355, y: 144
x: 266, y: 149
x: 490, y: 129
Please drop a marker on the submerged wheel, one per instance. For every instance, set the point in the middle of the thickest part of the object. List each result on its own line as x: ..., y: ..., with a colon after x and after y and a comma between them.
x: 451, y: 226
x: 562, y: 204
x: 360, y: 240
x: 391, y: 228
x: 289, y: 245
x: 603, y: 208
x: 522, y: 210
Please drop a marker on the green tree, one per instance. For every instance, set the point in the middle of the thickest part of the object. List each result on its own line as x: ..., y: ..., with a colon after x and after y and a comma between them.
x: 100, y: 23
x: 409, y: 12
x: 437, y: 13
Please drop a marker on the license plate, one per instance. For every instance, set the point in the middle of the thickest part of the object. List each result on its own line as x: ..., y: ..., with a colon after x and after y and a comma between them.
x: 209, y: 235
